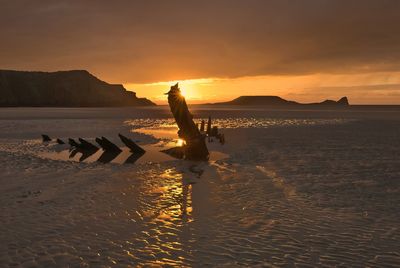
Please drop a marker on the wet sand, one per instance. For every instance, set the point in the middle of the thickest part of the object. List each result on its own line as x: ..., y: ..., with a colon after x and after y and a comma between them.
x: 309, y: 189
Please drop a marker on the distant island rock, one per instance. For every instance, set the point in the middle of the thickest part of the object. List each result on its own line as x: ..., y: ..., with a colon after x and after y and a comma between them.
x: 77, y: 88
x: 278, y: 101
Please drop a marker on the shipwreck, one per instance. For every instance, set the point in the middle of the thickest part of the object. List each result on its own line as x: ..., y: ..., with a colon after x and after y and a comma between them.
x: 195, y: 147
x: 193, y: 135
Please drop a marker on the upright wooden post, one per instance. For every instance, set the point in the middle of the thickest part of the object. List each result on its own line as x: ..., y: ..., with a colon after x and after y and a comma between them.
x: 195, y: 148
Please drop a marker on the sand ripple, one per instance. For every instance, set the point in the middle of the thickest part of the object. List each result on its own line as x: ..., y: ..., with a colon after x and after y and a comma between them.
x: 323, y: 196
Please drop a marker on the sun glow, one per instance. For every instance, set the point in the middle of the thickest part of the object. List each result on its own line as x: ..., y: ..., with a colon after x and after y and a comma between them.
x: 190, y: 89
x: 301, y: 88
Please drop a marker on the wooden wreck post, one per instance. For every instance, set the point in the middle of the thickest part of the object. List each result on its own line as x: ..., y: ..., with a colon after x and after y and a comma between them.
x: 202, y: 126
x: 195, y: 148
x: 209, y: 126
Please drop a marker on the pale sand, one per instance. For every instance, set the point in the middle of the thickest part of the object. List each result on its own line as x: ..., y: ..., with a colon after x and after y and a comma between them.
x: 306, y: 189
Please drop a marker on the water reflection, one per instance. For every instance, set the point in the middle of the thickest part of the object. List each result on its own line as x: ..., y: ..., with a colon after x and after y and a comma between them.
x: 173, y: 202
x: 86, y: 154
x: 133, y: 158
x: 108, y: 156
x: 167, y: 212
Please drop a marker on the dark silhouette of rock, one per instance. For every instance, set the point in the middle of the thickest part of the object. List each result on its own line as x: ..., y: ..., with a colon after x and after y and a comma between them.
x: 278, y: 101
x: 85, y: 145
x: 59, y: 141
x: 343, y: 101
x: 195, y: 148
x: 45, y: 138
x: 107, y: 145
x: 131, y: 145
x: 76, y: 88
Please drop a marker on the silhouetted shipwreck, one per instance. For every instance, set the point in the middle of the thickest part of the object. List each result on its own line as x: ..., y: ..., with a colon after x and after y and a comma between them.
x: 107, y: 145
x: 73, y: 143
x: 209, y: 126
x: 211, y: 131
x: 85, y: 145
x: 82, y: 145
x: 133, y: 158
x: 110, y: 150
x: 202, y: 125
x: 108, y: 156
x: 195, y: 147
x: 136, y: 149
x: 45, y: 138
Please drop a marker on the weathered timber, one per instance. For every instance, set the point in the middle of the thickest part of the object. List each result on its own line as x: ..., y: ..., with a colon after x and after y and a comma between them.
x: 131, y: 145
x: 85, y: 145
x: 202, y: 125
x: 107, y: 145
x: 108, y: 156
x: 195, y: 148
x: 133, y: 158
x: 86, y: 154
x: 45, y: 138
x: 209, y: 126
x: 73, y: 143
x: 73, y: 153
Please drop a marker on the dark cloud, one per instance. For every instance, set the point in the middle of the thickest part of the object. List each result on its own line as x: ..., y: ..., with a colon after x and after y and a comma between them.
x: 142, y: 41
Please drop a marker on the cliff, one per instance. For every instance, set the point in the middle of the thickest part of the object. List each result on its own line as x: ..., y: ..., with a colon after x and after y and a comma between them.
x: 76, y: 88
x: 278, y: 101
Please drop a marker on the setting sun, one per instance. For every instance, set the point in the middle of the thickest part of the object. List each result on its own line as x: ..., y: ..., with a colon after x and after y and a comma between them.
x: 190, y: 92
x: 193, y: 90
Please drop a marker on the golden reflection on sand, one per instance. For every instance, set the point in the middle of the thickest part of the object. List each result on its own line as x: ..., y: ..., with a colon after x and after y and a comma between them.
x: 174, y: 201
x: 180, y: 142
x: 168, y: 210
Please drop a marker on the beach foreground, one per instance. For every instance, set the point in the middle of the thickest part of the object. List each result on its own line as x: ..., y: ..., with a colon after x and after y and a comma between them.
x: 306, y: 188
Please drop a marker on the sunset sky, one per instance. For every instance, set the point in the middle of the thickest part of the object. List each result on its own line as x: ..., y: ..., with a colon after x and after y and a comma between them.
x: 306, y: 50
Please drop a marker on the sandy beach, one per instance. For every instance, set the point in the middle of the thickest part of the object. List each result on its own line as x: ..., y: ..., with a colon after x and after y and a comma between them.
x: 289, y: 188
